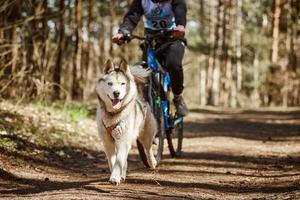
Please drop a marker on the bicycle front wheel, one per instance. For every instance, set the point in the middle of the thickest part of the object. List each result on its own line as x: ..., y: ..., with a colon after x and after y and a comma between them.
x: 158, y: 140
x: 175, y: 137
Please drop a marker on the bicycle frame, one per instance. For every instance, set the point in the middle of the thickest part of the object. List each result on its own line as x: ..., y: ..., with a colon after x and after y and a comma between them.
x: 165, y: 81
x: 158, y: 95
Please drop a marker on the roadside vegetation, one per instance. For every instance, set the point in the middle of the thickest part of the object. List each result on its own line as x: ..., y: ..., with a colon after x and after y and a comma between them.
x: 39, y: 131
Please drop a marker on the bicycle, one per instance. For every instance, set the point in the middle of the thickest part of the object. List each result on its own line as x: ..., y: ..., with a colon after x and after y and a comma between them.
x: 158, y: 94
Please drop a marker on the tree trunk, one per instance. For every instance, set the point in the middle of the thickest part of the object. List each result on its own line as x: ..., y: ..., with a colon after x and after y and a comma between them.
x: 90, y: 70
x: 44, y: 37
x: 14, y: 48
x: 218, y: 53
x: 14, y: 15
x: 17, y: 14
x: 202, y: 19
x: 293, y: 60
x: 202, y: 84
x: 289, y: 70
x: 102, y: 44
x: 276, y: 16
x: 255, y: 98
x: 61, y: 47
x: 112, y: 12
x: 37, y: 36
x: 29, y: 48
x: 2, y: 62
x: 1, y: 30
x: 238, y: 36
x: 77, y: 86
x: 228, y: 74
x: 212, y: 34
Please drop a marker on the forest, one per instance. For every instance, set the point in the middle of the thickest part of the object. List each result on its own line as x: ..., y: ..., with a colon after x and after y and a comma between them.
x: 240, y: 139
x: 239, y: 54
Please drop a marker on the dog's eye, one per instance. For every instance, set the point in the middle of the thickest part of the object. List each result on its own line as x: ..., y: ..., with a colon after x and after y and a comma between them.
x: 123, y: 83
x: 110, y: 83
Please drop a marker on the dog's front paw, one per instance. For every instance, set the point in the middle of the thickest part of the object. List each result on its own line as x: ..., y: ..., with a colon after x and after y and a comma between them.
x: 117, y: 131
x: 153, y: 164
x: 123, y: 176
x: 115, y: 180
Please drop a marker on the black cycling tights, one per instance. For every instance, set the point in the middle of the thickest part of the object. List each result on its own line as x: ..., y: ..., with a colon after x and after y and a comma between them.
x: 172, y: 59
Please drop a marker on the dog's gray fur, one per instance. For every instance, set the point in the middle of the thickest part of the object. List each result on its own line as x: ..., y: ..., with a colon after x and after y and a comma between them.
x: 123, y: 118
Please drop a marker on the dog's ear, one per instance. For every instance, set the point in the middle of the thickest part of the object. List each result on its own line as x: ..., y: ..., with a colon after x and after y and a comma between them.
x: 109, y: 66
x: 124, y: 66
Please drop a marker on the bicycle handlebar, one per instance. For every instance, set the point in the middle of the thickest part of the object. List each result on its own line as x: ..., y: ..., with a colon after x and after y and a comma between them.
x: 162, y: 34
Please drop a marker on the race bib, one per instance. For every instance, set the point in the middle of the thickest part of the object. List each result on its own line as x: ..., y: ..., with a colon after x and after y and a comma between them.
x: 158, y: 16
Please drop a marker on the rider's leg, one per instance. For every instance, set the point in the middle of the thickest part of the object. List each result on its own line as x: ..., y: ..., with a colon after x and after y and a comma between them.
x: 174, y: 56
x: 173, y: 61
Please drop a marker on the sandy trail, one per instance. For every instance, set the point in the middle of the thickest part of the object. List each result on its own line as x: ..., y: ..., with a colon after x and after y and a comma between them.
x: 227, y: 155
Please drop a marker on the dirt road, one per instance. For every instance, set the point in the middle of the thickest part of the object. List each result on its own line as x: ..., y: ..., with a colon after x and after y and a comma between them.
x: 227, y: 155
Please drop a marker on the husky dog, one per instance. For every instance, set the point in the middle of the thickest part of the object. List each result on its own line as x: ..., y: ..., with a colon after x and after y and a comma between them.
x: 123, y: 117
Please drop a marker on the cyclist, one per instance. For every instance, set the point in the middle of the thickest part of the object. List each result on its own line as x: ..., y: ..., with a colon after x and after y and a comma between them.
x: 162, y: 15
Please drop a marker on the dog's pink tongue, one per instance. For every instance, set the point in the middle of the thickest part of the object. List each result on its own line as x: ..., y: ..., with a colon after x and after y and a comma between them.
x: 116, y: 103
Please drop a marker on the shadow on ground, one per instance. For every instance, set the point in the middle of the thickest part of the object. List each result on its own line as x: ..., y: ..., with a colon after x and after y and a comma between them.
x: 91, y: 168
x: 254, y: 125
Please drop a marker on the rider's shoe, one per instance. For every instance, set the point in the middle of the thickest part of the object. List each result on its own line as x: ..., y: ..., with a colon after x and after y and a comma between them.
x: 181, y: 108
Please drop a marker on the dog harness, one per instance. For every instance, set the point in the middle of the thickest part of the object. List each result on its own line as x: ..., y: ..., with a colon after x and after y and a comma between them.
x: 111, y: 128
x: 158, y: 16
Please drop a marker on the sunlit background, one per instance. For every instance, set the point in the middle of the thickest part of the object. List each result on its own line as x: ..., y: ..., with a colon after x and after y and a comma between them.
x: 240, y: 53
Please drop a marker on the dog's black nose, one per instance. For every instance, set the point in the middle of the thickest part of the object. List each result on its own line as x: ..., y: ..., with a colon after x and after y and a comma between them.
x: 116, y: 94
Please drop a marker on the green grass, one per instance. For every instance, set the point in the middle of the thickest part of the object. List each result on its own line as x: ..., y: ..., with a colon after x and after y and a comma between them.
x: 76, y: 113
x: 73, y: 111
x: 7, y: 144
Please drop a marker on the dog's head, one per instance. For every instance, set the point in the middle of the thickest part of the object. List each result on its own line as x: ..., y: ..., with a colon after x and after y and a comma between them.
x: 116, y: 85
